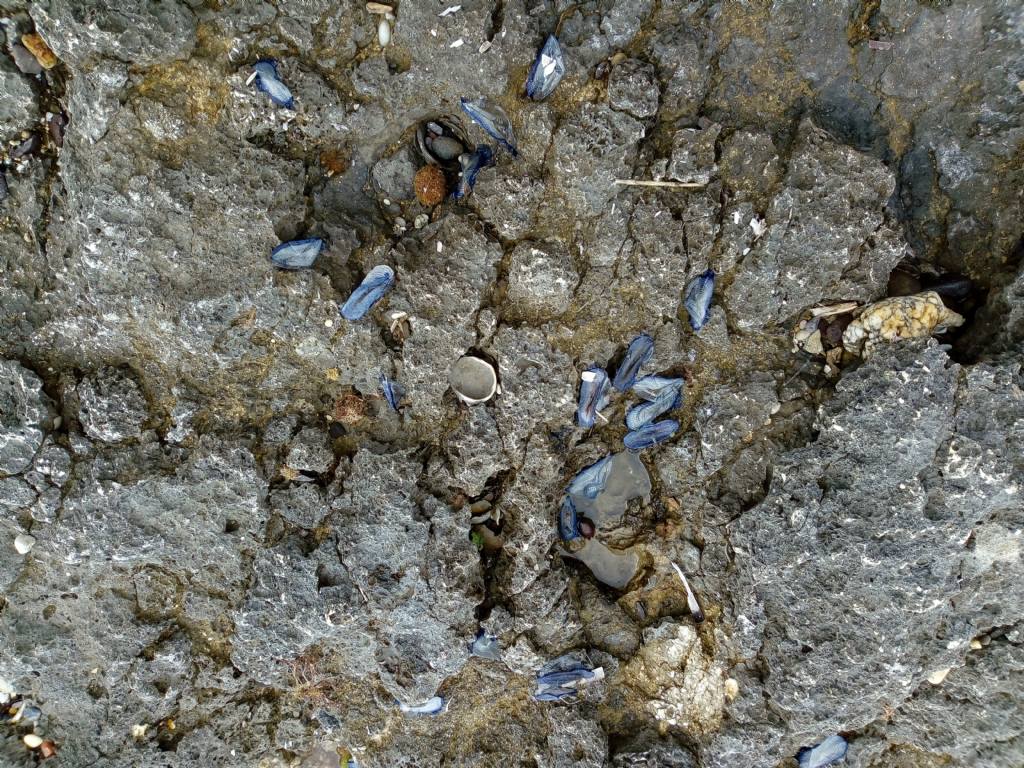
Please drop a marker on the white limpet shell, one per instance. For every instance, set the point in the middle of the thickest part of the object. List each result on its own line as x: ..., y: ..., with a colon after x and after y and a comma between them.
x: 473, y: 380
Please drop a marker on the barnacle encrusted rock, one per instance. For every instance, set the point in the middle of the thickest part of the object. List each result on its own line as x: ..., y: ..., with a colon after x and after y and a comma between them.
x: 901, y: 317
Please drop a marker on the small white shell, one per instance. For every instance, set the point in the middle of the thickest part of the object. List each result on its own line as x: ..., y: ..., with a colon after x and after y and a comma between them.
x: 473, y: 380
x: 32, y: 741
x: 383, y: 33
x: 24, y: 542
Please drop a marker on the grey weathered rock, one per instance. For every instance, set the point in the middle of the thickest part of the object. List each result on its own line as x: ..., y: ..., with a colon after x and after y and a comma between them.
x: 22, y: 418
x: 633, y: 88
x: 111, y: 407
x: 821, y: 238
x: 541, y: 281
x: 591, y: 150
x: 17, y: 101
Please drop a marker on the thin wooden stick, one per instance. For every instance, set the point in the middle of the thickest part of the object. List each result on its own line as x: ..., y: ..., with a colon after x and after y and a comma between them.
x: 670, y: 184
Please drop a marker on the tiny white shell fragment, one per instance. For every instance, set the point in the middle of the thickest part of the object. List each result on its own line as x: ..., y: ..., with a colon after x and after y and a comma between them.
x: 976, y: 645
x: 732, y: 689
x: 936, y: 677
x: 449, y: 10
x: 32, y: 741
x: 760, y: 226
x: 457, y: 43
x: 383, y: 33
x: 485, y: 46
x: 23, y: 543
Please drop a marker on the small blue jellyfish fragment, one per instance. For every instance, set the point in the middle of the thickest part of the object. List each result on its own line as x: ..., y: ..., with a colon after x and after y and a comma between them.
x: 429, y: 707
x: 560, y: 678
x: 297, y: 254
x: 493, y: 120
x: 547, y: 70
x: 486, y: 646
x: 568, y: 523
x: 377, y: 282
x: 649, y: 387
x: 268, y: 80
x: 593, y: 396
x: 831, y: 750
x: 566, y: 679
x: 643, y: 414
x: 698, y: 298
x: 472, y: 164
x: 641, y: 349
x: 392, y: 392
x: 590, y: 481
x: 649, y: 435
x: 554, y: 694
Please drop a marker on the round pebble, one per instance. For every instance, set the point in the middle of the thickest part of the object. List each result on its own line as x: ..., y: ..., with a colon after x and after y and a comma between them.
x: 24, y: 542
x: 446, y: 148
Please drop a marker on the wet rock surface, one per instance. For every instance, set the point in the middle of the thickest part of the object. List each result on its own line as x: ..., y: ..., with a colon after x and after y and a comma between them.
x: 221, y: 545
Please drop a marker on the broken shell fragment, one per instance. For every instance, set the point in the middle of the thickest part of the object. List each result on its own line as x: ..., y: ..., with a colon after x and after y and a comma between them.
x: 831, y: 750
x: 493, y: 120
x: 547, y: 70
x: 377, y: 282
x: 691, y: 599
x: 37, y: 47
x: 593, y: 396
x: 472, y: 164
x: 698, y: 298
x: 901, y: 317
x: 23, y: 543
x: 429, y: 707
x: 641, y: 349
x: 473, y: 380
x: 380, y: 8
x: 268, y: 80
x: 297, y: 254
x: 650, y: 434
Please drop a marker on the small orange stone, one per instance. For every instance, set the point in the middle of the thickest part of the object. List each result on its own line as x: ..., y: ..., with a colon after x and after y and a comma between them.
x: 430, y: 185
x: 38, y: 48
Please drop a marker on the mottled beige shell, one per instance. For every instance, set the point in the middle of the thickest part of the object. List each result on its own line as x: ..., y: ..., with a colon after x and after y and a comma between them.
x: 901, y: 317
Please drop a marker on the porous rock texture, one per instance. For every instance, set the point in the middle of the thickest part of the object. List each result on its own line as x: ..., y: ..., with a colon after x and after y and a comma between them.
x: 245, y: 557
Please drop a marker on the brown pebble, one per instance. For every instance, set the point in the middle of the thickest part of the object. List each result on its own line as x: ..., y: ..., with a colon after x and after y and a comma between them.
x: 38, y: 48
x: 47, y: 749
x: 430, y: 185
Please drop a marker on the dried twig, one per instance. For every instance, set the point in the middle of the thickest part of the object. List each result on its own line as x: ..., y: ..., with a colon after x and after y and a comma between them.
x: 668, y: 184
